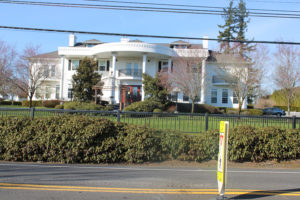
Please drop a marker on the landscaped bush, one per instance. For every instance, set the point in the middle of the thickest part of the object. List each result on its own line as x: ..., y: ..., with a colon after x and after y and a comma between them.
x: 82, y: 139
x: 76, y: 105
x: 293, y: 108
x: 144, y: 106
x: 199, y: 108
x: 260, y: 144
x: 157, y: 110
x: 17, y: 103
x: 51, y: 103
x: 235, y: 111
x: 25, y: 103
x: 59, y: 106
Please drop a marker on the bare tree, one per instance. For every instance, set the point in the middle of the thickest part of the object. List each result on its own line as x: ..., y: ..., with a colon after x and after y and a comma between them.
x: 31, y: 70
x: 186, y: 77
x: 7, y: 58
x: 243, y: 77
x: 287, y: 72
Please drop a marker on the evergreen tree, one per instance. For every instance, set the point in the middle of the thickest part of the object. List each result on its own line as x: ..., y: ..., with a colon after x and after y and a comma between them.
x: 154, y: 89
x: 242, y: 21
x: 84, y: 79
x: 229, y: 28
x: 235, y: 28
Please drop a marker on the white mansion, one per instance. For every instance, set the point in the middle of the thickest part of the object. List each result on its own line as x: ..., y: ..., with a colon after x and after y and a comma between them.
x: 122, y: 64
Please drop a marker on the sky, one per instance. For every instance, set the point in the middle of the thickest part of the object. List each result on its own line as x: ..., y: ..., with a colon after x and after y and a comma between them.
x: 153, y: 23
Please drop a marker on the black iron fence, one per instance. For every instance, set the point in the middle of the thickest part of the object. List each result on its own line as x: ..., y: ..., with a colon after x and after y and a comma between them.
x: 183, y: 122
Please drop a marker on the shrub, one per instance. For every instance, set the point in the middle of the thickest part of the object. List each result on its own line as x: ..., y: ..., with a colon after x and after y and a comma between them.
x: 82, y: 139
x: 256, y: 112
x: 199, y: 108
x: 18, y: 103
x: 51, y: 103
x: 157, y: 110
x: 234, y: 111
x: 285, y: 108
x: 25, y: 103
x: 59, y: 106
x: 76, y: 105
x: 144, y: 106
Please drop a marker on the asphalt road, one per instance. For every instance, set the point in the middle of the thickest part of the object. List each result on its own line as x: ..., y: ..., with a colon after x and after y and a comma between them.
x: 24, y: 181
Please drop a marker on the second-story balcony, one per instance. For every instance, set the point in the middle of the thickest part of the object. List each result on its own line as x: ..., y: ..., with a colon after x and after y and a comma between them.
x: 130, y: 73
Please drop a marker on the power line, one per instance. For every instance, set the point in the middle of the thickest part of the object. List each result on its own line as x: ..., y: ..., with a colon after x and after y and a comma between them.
x: 188, y: 5
x: 142, y: 35
x: 149, y: 9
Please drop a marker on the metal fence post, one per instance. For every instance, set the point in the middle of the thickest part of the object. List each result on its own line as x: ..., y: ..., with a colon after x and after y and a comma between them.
x: 32, y: 109
x: 294, y: 122
x: 118, y: 116
x: 206, y: 121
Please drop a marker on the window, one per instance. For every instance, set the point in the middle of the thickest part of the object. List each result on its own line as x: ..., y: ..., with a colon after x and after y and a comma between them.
x: 196, y: 68
x: 52, y: 71
x: 174, y: 96
x: 46, y: 71
x: 225, y: 96
x: 47, y: 92
x: 101, y: 65
x: 128, y: 69
x: 185, y: 98
x: 214, y: 96
x: 135, y: 69
x: 57, y: 92
x: 234, y: 99
x: 70, y: 92
x: 75, y: 64
x: 163, y: 66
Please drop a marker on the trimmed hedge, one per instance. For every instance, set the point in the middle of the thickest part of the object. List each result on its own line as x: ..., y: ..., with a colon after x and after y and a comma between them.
x: 51, y: 103
x: 255, y: 112
x: 83, y: 139
x: 25, y: 103
x: 199, y: 108
x: 76, y: 105
x: 8, y: 103
x: 285, y: 108
x: 144, y: 106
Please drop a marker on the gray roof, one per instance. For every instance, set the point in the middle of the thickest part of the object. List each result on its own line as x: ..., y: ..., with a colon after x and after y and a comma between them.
x: 136, y: 40
x: 53, y: 54
x: 180, y: 42
x: 92, y: 41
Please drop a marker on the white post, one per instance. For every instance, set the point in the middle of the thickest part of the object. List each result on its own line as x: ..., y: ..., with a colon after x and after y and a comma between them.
x: 203, y: 75
x: 113, y: 77
x: 62, y: 78
x: 144, y: 71
x: 169, y: 65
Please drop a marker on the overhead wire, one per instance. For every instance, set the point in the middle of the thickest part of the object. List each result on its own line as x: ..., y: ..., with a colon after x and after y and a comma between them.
x: 142, y: 35
x: 187, y: 5
x: 148, y: 9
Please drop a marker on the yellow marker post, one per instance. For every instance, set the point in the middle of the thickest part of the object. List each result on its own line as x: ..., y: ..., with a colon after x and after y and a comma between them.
x: 222, y: 158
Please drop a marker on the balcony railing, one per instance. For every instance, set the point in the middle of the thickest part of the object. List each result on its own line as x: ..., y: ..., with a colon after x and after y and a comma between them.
x: 137, y: 73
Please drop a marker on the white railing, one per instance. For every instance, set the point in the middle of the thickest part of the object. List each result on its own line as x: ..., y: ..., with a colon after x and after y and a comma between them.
x: 190, y: 53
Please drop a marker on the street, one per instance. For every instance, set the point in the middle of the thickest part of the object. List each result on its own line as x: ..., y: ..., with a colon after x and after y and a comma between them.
x: 60, y: 181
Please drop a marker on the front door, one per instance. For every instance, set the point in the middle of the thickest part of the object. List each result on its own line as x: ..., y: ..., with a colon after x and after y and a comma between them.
x: 129, y: 94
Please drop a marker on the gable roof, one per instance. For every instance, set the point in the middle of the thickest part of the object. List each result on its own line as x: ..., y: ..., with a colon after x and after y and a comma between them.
x: 53, y: 54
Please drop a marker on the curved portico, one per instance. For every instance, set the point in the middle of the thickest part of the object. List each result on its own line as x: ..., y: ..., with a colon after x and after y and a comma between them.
x: 126, y: 61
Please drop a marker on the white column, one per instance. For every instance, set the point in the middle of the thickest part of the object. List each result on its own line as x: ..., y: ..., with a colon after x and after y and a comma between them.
x: 62, y: 78
x: 113, y: 77
x: 169, y: 65
x: 144, y: 71
x: 203, y: 84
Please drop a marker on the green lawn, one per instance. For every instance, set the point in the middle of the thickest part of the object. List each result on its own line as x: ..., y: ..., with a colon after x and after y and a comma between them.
x: 182, y: 123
